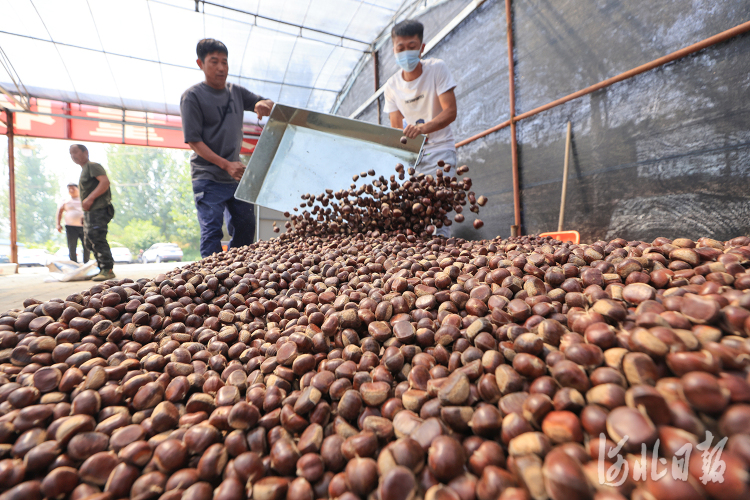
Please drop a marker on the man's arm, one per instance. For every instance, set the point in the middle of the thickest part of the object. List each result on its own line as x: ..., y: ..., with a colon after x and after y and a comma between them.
x: 59, y: 217
x: 397, y: 119
x: 445, y: 118
x: 96, y: 193
x: 256, y: 103
x: 263, y: 108
x: 234, y: 168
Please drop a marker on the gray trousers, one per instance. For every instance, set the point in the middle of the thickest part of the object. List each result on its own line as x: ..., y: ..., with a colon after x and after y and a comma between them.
x: 429, y: 166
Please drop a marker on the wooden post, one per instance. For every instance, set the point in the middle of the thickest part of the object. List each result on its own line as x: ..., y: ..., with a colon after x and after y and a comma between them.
x: 565, y: 181
x: 12, y: 190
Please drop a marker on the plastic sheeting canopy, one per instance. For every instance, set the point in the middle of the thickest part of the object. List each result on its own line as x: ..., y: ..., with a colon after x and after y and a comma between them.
x: 140, y: 54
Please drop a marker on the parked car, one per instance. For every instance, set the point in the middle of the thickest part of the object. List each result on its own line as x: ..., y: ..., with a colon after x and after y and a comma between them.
x: 34, y: 257
x: 162, y: 252
x: 4, y: 259
x: 120, y: 253
x: 63, y: 254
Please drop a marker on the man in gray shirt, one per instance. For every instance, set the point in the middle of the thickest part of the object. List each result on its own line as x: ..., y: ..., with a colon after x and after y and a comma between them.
x: 212, y: 115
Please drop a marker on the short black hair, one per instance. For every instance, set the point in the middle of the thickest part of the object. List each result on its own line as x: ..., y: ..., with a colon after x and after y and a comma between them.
x: 82, y: 148
x: 409, y: 27
x: 209, y: 46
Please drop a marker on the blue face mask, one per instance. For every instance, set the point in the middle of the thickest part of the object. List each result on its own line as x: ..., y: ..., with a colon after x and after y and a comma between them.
x: 408, y: 60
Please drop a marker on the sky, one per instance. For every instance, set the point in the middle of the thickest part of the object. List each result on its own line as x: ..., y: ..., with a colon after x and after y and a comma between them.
x: 57, y: 159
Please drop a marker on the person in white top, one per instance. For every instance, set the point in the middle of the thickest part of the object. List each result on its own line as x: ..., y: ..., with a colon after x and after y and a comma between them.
x: 420, y: 99
x: 73, y: 222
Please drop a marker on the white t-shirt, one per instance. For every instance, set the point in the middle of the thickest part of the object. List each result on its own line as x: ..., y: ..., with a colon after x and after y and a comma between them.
x: 73, y: 212
x: 418, y: 100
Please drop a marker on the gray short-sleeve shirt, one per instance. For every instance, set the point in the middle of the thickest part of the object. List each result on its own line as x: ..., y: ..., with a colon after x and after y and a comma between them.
x: 215, y: 118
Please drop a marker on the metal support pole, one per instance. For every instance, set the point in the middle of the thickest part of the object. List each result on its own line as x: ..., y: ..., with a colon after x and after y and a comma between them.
x: 12, y: 190
x: 565, y: 181
x: 375, y: 65
x: 484, y: 133
x: 513, y: 140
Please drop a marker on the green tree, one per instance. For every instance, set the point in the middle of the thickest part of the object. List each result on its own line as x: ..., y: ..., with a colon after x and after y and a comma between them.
x: 151, y: 184
x: 36, y: 192
x: 144, y: 184
x: 184, y: 216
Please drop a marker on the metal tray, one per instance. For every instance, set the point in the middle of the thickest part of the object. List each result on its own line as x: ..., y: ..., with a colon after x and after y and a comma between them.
x: 302, y: 151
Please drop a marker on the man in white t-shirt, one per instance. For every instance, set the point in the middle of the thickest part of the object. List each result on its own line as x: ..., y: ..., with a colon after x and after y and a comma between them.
x: 73, y: 222
x: 420, y: 100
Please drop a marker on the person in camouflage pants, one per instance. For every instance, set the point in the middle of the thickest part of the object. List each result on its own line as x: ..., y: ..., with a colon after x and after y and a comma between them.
x: 96, y: 201
x: 95, y: 235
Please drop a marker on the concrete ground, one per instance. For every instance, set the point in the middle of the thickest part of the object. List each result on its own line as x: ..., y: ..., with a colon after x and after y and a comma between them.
x: 29, y: 282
